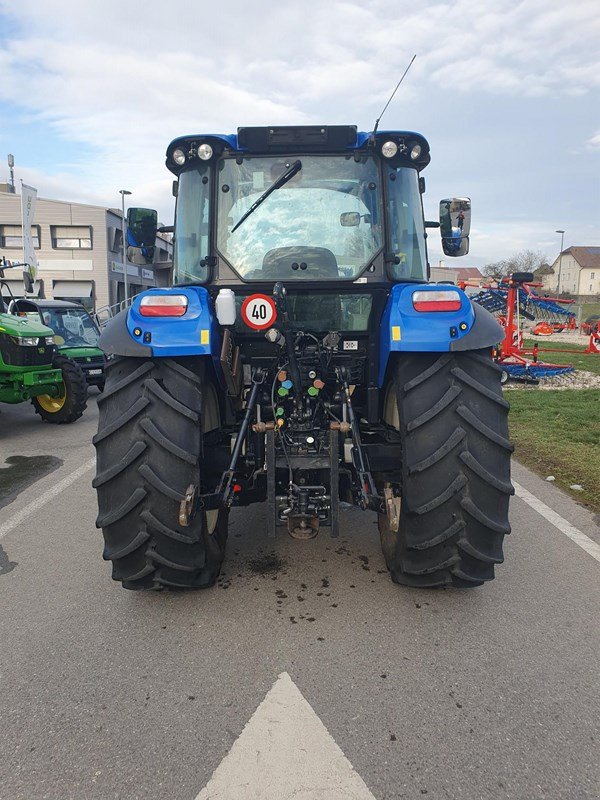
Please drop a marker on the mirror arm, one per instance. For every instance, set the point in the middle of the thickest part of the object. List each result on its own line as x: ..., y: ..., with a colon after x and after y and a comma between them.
x: 431, y: 224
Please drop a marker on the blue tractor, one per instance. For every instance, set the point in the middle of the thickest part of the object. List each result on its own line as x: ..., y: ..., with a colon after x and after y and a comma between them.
x: 301, y: 358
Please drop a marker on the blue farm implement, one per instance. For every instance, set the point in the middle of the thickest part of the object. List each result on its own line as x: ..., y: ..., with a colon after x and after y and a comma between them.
x: 518, y: 362
x: 551, y: 311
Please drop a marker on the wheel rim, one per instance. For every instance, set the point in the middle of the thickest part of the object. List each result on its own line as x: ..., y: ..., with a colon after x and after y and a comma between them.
x: 390, y: 408
x: 210, y: 421
x: 212, y: 517
x: 392, y: 417
x: 52, y: 404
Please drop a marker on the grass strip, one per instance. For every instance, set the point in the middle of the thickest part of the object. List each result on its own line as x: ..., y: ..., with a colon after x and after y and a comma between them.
x: 558, y: 433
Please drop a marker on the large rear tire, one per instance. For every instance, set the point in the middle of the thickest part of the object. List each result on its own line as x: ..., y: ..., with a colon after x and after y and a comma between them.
x: 453, y: 502
x: 149, y: 451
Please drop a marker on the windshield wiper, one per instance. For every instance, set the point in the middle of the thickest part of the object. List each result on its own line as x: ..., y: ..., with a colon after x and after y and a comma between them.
x: 281, y: 181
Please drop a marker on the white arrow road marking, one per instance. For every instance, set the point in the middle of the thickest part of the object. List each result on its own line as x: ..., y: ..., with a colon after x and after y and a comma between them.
x: 285, y: 752
x: 587, y: 544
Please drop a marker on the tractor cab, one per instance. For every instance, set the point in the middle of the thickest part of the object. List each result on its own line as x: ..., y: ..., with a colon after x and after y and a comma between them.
x: 303, y: 205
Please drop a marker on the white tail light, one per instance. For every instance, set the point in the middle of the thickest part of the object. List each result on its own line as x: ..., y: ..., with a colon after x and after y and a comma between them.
x: 163, y: 305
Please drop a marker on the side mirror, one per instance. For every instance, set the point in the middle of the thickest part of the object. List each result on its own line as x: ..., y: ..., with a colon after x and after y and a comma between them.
x: 141, y: 225
x: 27, y: 282
x: 349, y: 219
x: 455, y: 224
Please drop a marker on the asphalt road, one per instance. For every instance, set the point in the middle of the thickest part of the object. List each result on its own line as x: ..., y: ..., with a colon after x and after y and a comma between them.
x: 104, y: 693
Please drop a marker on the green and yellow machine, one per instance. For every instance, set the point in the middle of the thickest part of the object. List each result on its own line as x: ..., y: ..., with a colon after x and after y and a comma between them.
x: 32, y: 369
x: 76, y: 334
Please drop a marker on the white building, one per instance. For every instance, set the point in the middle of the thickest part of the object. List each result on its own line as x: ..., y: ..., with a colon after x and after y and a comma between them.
x: 78, y: 249
x: 579, y: 270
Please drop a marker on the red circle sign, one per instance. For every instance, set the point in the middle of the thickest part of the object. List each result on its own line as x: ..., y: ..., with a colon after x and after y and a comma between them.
x: 259, y: 311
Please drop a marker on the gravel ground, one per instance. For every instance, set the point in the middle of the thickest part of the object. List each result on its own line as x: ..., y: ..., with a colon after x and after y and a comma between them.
x: 572, y: 337
x: 580, y: 379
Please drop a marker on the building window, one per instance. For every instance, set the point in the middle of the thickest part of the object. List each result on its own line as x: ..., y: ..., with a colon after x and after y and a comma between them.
x: 71, y: 237
x: 117, y: 241
x: 11, y: 236
x: 592, y: 275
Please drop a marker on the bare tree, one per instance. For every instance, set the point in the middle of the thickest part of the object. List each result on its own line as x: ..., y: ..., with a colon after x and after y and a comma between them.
x: 523, y: 261
x: 528, y: 260
x: 495, y: 271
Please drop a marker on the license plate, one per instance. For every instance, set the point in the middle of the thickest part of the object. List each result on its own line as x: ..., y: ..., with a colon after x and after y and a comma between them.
x: 94, y: 372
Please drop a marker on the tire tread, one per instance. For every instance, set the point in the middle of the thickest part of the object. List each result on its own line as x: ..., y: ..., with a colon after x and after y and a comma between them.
x: 455, y: 471
x: 149, y: 450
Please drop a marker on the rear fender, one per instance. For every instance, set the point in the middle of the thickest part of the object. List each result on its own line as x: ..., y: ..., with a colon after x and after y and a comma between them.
x: 403, y: 329
x: 196, y: 333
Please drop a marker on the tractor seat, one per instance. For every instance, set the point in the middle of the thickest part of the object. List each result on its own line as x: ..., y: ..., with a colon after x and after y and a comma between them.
x: 283, y: 263
x: 308, y: 312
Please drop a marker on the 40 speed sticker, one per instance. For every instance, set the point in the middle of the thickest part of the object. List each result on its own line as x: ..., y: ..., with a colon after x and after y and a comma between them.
x: 259, y: 311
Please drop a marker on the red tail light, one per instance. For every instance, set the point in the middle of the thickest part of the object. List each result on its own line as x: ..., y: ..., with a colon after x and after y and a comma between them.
x: 446, y: 300
x: 163, y: 305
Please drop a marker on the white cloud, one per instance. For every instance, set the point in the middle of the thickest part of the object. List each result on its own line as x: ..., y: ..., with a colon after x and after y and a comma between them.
x: 123, y: 79
x: 594, y: 141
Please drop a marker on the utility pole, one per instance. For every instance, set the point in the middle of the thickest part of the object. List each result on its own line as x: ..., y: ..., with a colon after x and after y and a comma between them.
x: 123, y: 192
x: 562, y: 239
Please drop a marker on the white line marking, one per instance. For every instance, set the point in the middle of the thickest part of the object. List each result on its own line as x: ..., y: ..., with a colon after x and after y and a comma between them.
x: 41, y: 501
x: 587, y: 544
x: 285, y: 752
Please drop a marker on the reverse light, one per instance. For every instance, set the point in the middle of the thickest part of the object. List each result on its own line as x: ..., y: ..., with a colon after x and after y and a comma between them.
x: 179, y: 156
x: 448, y: 300
x: 389, y: 149
x: 205, y: 152
x: 163, y: 305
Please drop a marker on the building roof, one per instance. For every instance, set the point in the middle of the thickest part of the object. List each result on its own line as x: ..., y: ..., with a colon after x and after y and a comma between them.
x: 544, y: 269
x: 585, y: 256
x: 469, y: 274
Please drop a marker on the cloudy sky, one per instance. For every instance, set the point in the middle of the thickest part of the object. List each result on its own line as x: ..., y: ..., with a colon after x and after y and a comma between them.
x: 507, y: 93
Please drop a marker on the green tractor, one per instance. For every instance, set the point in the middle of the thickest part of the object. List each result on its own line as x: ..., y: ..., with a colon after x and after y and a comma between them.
x: 32, y: 369
x: 76, y: 333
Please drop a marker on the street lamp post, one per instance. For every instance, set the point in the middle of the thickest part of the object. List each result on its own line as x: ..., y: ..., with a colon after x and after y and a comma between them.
x: 123, y: 192
x: 11, y: 166
x: 562, y: 239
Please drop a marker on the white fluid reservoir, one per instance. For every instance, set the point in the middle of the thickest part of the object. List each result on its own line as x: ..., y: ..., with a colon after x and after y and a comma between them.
x: 225, y: 306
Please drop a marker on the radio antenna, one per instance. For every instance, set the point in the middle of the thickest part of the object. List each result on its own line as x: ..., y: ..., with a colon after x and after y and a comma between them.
x: 392, y: 95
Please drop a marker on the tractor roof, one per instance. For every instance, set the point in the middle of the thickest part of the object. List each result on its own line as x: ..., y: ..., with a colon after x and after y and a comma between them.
x: 319, y: 139
x: 49, y: 303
